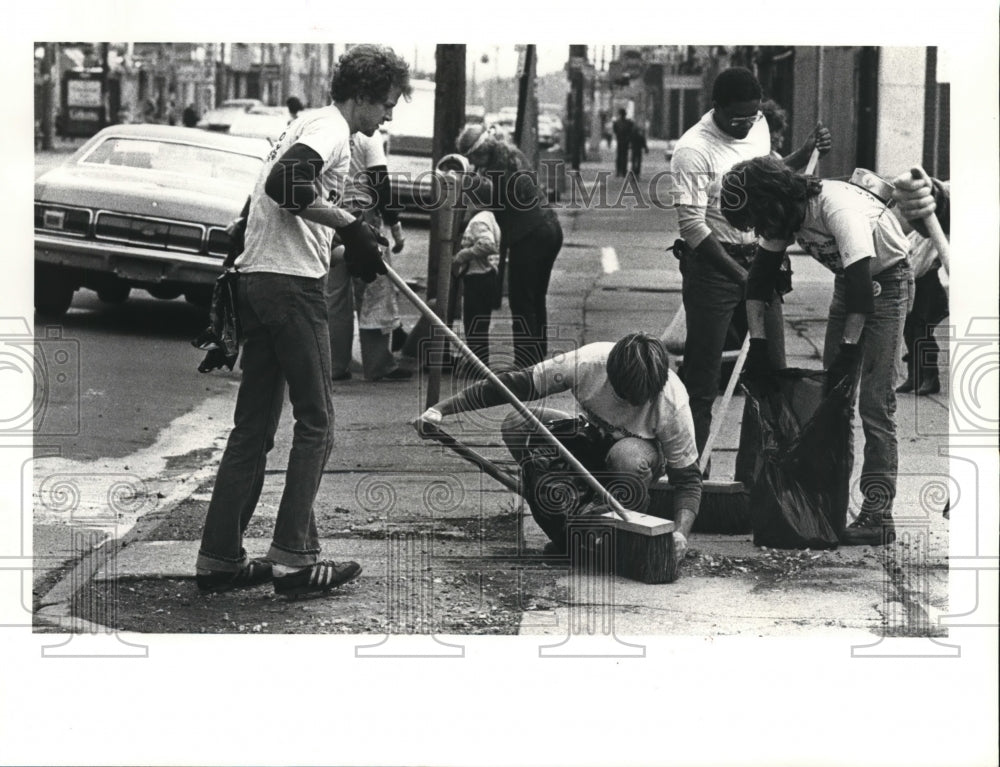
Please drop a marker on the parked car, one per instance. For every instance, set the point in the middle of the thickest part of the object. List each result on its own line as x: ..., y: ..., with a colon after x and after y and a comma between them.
x: 142, y: 206
x: 549, y: 131
x: 262, y: 122
x: 220, y: 118
x: 411, y: 143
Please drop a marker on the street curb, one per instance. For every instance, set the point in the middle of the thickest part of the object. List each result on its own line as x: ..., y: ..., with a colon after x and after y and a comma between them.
x: 56, y: 605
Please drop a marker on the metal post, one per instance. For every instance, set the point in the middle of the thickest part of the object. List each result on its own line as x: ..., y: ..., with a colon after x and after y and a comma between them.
x: 444, y: 224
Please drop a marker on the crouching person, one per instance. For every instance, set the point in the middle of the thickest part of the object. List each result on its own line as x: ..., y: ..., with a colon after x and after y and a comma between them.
x: 634, y: 426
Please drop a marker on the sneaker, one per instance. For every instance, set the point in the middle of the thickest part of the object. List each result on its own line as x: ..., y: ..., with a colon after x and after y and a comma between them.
x: 870, y: 529
x: 253, y: 573
x: 316, y: 579
x: 930, y: 384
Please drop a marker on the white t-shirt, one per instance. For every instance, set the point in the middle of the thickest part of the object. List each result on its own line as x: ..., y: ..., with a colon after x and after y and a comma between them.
x: 366, y: 152
x: 701, y: 157
x: 844, y: 224
x: 279, y: 241
x: 667, y: 419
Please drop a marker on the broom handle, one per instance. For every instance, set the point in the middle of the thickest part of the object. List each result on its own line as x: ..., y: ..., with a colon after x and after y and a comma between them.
x: 706, y: 454
x: 934, y: 227
x: 565, y: 454
x: 813, y: 160
x: 440, y: 435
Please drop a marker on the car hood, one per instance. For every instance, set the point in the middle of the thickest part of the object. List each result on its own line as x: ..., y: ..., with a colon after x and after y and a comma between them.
x: 163, y: 195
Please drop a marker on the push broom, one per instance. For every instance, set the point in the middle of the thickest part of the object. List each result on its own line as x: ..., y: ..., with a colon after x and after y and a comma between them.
x: 725, y: 504
x: 644, y: 545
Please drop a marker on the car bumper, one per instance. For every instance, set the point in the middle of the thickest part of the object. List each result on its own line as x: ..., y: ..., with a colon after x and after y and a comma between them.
x: 129, y: 263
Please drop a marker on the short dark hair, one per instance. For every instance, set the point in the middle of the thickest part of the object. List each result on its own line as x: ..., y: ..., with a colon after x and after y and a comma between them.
x: 293, y: 104
x: 735, y: 84
x: 638, y: 366
x: 763, y: 195
x: 370, y: 72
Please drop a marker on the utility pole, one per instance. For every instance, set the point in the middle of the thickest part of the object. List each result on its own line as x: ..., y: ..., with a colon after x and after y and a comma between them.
x: 48, y: 93
x: 449, y: 117
x: 577, y: 60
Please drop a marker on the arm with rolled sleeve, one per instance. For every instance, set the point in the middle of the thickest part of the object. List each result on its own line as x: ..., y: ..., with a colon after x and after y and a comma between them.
x: 760, y: 283
x: 852, y: 231
x: 681, y: 455
x: 692, y: 176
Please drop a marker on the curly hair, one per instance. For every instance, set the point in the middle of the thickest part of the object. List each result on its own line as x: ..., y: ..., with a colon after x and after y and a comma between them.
x: 766, y: 196
x: 638, y: 367
x: 369, y: 72
x: 777, y: 118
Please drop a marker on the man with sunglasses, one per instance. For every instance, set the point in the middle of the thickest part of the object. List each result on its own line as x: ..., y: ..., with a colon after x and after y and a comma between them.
x: 716, y: 261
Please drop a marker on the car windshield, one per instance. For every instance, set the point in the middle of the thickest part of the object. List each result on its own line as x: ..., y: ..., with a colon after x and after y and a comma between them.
x: 172, y: 157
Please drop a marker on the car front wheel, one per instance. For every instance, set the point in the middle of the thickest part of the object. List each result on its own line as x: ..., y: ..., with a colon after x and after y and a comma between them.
x: 116, y: 293
x: 53, y: 293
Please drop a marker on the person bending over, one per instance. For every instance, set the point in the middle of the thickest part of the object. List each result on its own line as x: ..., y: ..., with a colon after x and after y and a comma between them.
x: 633, y: 411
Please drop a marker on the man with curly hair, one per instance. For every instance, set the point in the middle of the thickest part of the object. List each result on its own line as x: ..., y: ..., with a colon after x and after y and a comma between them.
x: 294, y: 212
x: 857, y: 237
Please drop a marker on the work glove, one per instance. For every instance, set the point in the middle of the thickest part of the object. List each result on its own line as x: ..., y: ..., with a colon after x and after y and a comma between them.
x: 429, y: 419
x: 398, y: 240
x: 758, y: 365
x: 845, y: 365
x: 362, y: 250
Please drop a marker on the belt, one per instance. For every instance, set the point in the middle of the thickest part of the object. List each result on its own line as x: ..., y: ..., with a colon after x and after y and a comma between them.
x: 888, y: 274
x: 735, y: 248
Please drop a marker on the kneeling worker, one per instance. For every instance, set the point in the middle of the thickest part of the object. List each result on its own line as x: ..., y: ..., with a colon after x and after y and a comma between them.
x: 634, y: 410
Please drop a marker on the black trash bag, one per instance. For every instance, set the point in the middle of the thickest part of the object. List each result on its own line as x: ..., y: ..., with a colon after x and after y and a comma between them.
x: 221, y: 339
x: 801, y: 474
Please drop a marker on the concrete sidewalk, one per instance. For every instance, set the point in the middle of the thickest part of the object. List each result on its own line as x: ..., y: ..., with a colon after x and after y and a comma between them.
x: 439, y: 538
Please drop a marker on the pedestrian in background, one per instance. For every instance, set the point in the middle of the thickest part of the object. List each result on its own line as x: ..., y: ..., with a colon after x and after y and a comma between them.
x: 622, y: 128
x: 189, y: 118
x: 282, y: 308
x: 530, y: 232
x: 366, y: 192
x: 638, y: 147
x: 718, y: 256
x: 858, y: 238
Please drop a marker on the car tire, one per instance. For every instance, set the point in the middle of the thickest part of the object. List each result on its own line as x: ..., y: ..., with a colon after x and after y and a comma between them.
x: 163, y: 292
x: 116, y: 293
x: 53, y: 293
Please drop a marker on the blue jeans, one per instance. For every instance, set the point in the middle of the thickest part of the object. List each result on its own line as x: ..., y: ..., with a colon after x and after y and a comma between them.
x: 285, y: 338
x: 879, y: 343
x: 710, y: 302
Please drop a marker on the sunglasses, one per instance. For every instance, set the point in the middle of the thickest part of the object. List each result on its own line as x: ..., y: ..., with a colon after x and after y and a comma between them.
x: 745, y: 122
